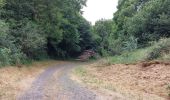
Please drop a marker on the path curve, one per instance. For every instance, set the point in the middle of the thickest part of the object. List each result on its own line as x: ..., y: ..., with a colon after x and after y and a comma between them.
x: 55, y: 84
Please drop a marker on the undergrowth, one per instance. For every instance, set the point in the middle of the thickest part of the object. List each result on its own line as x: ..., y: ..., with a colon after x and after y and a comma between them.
x: 158, y: 51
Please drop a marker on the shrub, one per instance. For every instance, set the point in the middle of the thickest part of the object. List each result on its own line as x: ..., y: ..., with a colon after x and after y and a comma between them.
x: 160, y: 50
x: 131, y: 44
x: 154, y: 54
x: 116, y: 46
x: 17, y: 57
x: 10, y: 57
x: 5, y: 56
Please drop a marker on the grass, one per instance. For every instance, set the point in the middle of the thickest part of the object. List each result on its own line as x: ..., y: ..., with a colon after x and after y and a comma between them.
x: 158, y: 51
x: 87, y: 78
x: 126, y: 57
x: 14, y: 80
x: 131, y: 57
x: 80, y: 71
x: 92, y: 80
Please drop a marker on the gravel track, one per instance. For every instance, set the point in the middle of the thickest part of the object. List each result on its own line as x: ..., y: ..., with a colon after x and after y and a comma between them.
x: 55, y: 84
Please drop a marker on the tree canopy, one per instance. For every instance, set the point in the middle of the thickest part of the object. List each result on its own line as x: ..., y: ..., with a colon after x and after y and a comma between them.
x: 135, y: 24
x: 37, y: 29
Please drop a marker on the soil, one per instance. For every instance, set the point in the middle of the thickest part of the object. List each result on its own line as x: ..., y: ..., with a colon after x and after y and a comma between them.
x: 145, y: 83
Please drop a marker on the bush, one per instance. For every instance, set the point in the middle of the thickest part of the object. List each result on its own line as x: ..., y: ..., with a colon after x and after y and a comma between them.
x: 116, y: 46
x: 9, y: 57
x: 131, y: 44
x: 17, y: 57
x: 5, y: 56
x: 160, y: 50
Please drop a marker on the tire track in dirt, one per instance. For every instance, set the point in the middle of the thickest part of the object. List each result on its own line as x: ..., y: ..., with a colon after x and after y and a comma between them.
x: 54, y: 83
x: 71, y: 90
x: 36, y: 90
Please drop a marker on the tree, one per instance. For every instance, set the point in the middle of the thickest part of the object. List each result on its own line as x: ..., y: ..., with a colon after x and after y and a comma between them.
x: 54, y: 27
x: 147, y: 20
x: 104, y: 35
x: 86, y: 35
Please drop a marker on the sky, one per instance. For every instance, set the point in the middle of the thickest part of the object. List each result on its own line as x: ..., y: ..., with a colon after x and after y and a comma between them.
x: 98, y: 9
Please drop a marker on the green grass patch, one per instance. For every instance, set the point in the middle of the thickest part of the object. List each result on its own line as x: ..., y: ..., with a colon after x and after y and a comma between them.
x: 91, y: 80
x: 85, y: 76
x: 131, y: 57
x: 80, y: 71
x: 158, y: 51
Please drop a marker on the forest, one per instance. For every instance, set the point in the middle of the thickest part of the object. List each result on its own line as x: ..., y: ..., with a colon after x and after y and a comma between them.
x: 52, y: 29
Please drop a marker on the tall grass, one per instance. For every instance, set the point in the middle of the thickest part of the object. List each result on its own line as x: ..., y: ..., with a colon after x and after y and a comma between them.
x: 132, y: 57
x: 158, y: 51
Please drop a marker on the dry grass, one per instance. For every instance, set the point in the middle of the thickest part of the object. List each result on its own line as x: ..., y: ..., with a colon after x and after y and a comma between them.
x: 103, y: 90
x: 133, y: 81
x: 14, y: 80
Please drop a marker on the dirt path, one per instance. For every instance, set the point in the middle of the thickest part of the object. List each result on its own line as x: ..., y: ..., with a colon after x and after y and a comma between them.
x: 55, y: 84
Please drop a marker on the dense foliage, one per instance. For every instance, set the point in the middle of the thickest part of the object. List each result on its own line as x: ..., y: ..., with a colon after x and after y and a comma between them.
x: 38, y: 29
x: 134, y: 25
